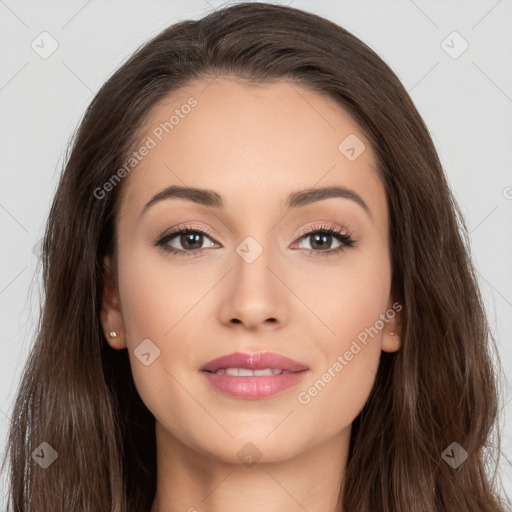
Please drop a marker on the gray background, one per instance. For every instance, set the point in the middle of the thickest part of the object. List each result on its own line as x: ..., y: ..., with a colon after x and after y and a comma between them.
x: 466, y: 102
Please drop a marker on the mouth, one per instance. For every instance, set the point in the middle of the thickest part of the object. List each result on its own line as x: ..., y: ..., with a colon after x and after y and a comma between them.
x: 253, y: 376
x: 247, y: 372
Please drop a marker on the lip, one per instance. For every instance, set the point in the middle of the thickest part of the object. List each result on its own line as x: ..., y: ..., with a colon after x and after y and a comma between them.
x: 254, y: 361
x: 253, y: 388
x: 256, y: 387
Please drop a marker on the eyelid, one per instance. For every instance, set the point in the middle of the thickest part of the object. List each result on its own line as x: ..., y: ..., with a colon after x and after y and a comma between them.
x: 186, y: 227
x: 342, y: 234
x: 313, y: 228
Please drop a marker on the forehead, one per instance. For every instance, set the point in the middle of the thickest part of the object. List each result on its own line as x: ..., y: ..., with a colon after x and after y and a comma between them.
x: 251, y: 144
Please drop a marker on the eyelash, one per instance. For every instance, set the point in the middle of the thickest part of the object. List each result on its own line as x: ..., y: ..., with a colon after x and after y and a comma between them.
x: 345, y: 239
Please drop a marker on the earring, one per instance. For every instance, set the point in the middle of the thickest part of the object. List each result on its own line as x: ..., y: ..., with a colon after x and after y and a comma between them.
x: 395, y: 334
x: 112, y: 334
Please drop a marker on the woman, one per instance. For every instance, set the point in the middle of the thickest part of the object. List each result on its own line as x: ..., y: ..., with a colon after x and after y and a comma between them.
x: 258, y: 290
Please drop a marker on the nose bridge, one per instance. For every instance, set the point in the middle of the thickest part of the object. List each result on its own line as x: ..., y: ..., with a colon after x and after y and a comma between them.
x: 255, y: 295
x: 251, y: 266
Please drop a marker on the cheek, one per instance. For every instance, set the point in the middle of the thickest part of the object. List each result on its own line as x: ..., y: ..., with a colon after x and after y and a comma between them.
x: 350, y: 303
x: 346, y: 297
x: 356, y: 298
x: 152, y: 306
x: 156, y: 294
x: 155, y: 302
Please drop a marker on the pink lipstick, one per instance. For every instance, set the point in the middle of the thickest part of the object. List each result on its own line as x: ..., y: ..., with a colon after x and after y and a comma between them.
x: 252, y: 376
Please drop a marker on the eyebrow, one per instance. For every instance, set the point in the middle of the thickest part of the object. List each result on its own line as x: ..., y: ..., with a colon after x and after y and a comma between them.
x: 297, y: 199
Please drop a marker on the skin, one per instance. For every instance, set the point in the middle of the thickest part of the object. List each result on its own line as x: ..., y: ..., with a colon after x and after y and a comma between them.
x: 254, y: 146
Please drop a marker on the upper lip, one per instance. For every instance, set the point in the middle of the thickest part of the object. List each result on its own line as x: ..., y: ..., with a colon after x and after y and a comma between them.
x: 254, y: 361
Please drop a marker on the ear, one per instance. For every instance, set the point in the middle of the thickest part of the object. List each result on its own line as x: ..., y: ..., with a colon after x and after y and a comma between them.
x: 111, y: 316
x: 392, y: 331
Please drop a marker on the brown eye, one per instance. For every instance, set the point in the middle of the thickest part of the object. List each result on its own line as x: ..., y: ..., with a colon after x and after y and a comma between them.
x: 320, y: 241
x: 191, y: 241
x: 184, y: 241
x: 188, y: 240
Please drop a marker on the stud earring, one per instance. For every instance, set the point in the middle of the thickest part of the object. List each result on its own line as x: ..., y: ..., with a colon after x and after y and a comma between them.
x: 395, y: 334
x: 112, y: 334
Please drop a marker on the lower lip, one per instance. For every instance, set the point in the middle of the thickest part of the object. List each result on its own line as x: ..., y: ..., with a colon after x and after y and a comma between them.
x: 253, y: 388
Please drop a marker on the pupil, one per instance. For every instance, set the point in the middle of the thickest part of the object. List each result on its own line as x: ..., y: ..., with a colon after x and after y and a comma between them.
x: 188, y: 239
x: 321, y: 237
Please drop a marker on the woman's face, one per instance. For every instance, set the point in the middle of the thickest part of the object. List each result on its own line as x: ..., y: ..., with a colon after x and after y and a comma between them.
x: 256, y: 272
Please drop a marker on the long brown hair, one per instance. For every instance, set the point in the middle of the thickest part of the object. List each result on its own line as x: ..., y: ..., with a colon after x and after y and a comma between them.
x: 78, y: 395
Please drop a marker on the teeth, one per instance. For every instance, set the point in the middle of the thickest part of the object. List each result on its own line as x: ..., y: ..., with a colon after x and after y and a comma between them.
x: 246, y: 372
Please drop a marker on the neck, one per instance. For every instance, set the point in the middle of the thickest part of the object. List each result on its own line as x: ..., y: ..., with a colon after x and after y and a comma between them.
x: 193, y: 481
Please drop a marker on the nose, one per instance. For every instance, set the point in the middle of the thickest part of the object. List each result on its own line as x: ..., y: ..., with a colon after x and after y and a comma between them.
x: 253, y: 294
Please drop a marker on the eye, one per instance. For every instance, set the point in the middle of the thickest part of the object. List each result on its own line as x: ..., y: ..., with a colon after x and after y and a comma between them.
x: 189, y: 238
x: 320, y: 240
